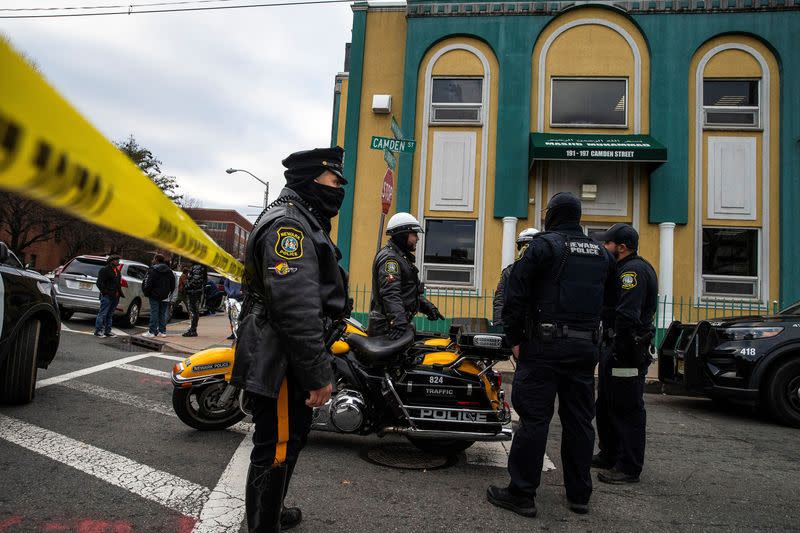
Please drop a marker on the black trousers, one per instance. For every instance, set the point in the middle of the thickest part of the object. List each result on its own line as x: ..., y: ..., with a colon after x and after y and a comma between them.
x: 539, y: 378
x: 281, y: 425
x: 194, y: 308
x: 621, y: 416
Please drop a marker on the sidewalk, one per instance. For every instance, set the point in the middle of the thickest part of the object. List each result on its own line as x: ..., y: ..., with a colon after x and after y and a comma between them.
x: 212, y: 331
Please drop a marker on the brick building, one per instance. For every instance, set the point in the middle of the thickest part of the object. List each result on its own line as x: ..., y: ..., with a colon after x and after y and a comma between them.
x: 227, y: 227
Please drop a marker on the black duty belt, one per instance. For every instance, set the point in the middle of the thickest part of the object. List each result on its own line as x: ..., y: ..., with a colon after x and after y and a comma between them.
x: 549, y: 332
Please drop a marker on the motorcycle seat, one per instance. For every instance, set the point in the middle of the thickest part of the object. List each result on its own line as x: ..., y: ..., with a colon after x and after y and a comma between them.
x: 379, y: 351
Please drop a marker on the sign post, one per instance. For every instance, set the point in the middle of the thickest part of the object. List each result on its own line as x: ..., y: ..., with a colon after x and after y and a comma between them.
x: 386, y: 201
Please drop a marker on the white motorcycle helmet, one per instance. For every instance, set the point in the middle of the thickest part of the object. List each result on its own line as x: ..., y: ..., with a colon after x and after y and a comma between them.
x: 403, y: 223
x: 525, y: 236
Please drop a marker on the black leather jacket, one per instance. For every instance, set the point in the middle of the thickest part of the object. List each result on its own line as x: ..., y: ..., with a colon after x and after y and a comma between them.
x: 294, y: 289
x: 198, y: 275
x: 397, y: 293
x: 499, y: 296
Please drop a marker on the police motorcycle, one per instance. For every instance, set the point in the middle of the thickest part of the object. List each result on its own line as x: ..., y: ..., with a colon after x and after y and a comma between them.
x: 443, y: 394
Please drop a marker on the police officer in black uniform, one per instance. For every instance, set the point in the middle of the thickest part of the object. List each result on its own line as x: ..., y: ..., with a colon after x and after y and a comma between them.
x: 621, y: 416
x: 525, y: 236
x: 294, y: 291
x: 551, y: 317
x: 397, y: 293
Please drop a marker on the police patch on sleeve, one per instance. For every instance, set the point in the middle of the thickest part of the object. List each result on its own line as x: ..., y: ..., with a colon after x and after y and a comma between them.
x: 391, y: 267
x: 628, y: 280
x: 521, y: 252
x: 290, y: 243
x: 282, y: 268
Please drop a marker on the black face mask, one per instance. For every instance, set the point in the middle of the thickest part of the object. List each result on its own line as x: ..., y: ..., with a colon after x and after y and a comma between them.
x: 327, y: 200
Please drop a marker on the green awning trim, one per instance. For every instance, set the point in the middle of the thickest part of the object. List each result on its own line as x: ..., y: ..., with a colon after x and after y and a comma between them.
x: 591, y: 147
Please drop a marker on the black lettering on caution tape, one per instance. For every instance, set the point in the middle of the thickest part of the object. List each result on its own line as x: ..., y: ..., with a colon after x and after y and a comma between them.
x: 10, y: 135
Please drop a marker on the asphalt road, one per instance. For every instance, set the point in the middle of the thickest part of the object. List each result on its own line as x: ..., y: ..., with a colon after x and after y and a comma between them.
x: 100, y: 451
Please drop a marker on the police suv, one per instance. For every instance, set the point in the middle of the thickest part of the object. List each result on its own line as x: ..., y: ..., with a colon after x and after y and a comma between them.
x: 29, y: 327
x: 753, y: 360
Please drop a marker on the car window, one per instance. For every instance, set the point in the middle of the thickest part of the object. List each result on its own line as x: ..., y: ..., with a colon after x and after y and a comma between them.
x: 792, y: 310
x: 137, y: 272
x: 87, y: 267
x: 12, y: 260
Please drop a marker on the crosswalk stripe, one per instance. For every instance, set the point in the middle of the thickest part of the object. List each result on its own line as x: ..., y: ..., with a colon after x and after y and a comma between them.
x: 160, y: 487
x: 144, y: 370
x: 225, y: 509
x: 91, y: 370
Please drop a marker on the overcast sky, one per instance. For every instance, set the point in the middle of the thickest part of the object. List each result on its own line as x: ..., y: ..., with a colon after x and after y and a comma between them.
x: 203, y: 91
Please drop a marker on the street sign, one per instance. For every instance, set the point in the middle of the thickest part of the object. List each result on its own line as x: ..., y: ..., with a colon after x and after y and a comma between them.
x: 390, y: 160
x: 396, y: 131
x: 387, y: 190
x: 393, y: 145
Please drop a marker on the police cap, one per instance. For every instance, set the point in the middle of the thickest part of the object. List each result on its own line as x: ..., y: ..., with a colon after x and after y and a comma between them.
x: 319, y: 158
x: 621, y: 234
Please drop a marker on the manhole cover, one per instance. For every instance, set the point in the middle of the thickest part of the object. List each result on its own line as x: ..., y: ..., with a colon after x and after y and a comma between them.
x: 406, y: 456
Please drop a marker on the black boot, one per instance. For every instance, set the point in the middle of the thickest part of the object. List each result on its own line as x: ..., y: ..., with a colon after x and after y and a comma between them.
x: 506, y: 498
x: 290, y: 516
x: 264, y: 498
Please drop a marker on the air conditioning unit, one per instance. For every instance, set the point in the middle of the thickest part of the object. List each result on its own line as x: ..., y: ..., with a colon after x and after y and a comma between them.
x: 730, y: 286
x: 461, y: 114
x: 731, y: 117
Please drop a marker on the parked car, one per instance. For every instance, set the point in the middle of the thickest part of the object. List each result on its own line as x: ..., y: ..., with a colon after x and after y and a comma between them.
x: 29, y: 327
x: 77, y: 291
x: 754, y: 360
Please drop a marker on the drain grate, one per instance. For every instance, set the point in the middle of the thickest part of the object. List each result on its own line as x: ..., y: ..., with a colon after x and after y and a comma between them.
x: 406, y: 457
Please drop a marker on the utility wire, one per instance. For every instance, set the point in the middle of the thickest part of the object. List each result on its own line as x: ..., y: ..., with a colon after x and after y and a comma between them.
x: 125, y: 6
x: 131, y: 10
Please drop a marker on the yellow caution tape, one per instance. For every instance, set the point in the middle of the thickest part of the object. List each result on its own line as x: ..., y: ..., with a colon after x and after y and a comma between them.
x: 50, y: 153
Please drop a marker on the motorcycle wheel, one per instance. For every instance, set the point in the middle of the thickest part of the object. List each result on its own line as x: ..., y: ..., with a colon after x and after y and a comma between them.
x: 197, y: 407
x: 441, y: 446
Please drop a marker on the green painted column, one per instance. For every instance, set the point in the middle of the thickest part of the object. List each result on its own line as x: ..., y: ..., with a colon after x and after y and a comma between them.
x: 353, y: 115
x: 337, y: 95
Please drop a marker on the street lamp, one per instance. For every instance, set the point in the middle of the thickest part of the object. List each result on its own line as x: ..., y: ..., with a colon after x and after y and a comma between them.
x: 266, y: 191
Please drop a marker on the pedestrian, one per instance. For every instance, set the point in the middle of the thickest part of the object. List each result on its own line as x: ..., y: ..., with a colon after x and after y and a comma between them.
x: 525, y: 236
x: 294, y: 294
x: 624, y: 359
x: 182, y: 296
x: 233, y: 290
x: 158, y: 286
x: 109, y: 283
x: 194, y: 291
x: 551, y: 317
x: 397, y: 292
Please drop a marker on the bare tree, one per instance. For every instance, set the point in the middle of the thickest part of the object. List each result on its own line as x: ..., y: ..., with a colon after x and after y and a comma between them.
x: 190, y: 202
x: 27, y: 222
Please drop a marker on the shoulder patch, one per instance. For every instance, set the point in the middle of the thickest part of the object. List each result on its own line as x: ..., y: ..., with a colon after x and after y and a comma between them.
x: 391, y: 267
x: 290, y: 243
x: 282, y: 268
x: 522, y: 251
x: 628, y: 280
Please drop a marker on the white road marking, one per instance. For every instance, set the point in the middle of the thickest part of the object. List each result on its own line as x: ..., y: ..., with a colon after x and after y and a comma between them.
x: 225, y: 510
x: 91, y: 370
x: 121, y: 397
x: 119, y: 332
x: 70, y: 330
x: 163, y: 488
x: 496, y: 454
x: 143, y: 370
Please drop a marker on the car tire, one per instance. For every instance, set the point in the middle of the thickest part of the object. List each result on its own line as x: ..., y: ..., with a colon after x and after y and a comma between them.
x: 783, y: 392
x: 131, y: 317
x: 18, y: 371
x: 66, y: 314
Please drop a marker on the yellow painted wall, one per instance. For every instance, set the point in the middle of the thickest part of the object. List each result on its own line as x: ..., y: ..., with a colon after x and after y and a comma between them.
x: 730, y: 64
x: 383, y: 74
x: 464, y: 63
x: 344, y: 83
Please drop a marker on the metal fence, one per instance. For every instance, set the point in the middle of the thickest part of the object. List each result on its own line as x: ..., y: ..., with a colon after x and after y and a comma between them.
x: 455, y: 303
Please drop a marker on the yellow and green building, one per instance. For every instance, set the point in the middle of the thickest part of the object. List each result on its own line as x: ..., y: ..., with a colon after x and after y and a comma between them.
x: 680, y: 117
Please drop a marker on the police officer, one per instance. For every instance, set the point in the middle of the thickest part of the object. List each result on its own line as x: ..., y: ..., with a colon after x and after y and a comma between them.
x: 525, y: 236
x: 551, y: 317
x: 294, y: 291
x: 621, y: 416
x: 397, y: 293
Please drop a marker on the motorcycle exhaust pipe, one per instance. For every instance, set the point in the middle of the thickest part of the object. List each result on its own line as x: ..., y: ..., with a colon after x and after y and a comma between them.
x: 505, y: 434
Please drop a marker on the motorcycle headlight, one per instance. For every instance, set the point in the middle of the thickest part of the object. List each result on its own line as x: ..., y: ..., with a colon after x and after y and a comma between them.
x: 752, y: 333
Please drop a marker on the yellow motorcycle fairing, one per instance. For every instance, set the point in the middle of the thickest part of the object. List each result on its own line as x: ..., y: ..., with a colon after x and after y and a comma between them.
x: 202, y: 365
x: 341, y: 347
x: 438, y: 342
x: 466, y: 366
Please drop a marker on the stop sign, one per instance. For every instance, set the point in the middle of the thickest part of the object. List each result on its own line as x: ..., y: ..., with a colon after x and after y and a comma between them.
x: 387, y: 190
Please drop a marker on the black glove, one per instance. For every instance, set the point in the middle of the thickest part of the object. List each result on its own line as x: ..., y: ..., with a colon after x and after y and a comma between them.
x: 395, y: 333
x: 434, y: 314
